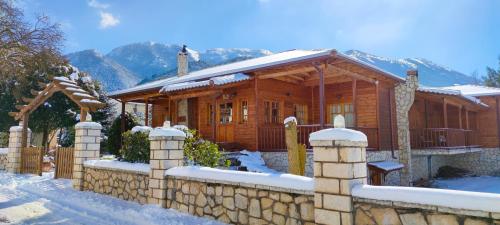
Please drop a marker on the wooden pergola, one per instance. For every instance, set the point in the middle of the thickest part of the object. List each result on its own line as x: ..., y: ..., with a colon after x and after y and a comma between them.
x: 84, y: 100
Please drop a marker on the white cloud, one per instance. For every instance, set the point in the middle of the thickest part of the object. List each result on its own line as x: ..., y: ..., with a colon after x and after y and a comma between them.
x: 98, y: 5
x: 108, y: 20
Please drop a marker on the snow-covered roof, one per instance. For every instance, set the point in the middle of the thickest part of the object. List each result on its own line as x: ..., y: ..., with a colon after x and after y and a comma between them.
x: 387, y: 165
x: 475, y: 90
x: 248, y: 66
x: 447, y: 91
x: 233, y: 78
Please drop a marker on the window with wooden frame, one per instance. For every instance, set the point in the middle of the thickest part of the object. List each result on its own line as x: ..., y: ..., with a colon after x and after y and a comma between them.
x: 344, y: 109
x: 300, y: 112
x: 243, y: 111
x: 272, y: 112
x: 210, y: 114
x: 226, y: 113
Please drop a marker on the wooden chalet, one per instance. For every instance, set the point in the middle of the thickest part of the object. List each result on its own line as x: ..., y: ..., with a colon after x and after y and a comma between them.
x: 243, y: 104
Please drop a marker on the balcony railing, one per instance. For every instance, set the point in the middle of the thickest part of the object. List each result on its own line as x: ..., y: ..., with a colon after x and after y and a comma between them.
x: 442, y: 138
x: 272, y: 137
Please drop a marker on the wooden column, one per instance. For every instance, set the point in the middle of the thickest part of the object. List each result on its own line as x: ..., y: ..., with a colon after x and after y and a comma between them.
x: 146, y: 105
x: 122, y: 125
x: 426, y: 108
x: 24, y: 134
x: 355, y: 102
x: 256, y: 94
x: 313, y: 121
x: 498, y: 120
x: 445, y: 113
x: 377, y: 94
x: 83, y: 115
x: 214, y: 123
x: 321, y: 97
x: 460, y: 117
x: 467, y: 125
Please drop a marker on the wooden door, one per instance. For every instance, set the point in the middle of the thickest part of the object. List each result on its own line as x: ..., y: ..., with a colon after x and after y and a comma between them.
x: 225, y: 123
x: 193, y: 113
x: 31, y: 160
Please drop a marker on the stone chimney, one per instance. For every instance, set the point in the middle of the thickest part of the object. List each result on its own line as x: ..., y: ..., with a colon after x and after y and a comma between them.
x: 182, y: 62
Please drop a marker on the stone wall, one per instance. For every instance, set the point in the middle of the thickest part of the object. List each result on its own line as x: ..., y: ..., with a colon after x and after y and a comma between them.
x: 379, y: 212
x: 3, y: 161
x: 485, y: 162
x: 126, y: 185
x: 238, y: 203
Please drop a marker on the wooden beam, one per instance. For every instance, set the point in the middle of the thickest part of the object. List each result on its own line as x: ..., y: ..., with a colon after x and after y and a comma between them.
x: 445, y: 113
x: 285, y: 73
x: 27, y: 100
x: 83, y: 114
x: 321, y: 97
x: 19, y: 107
x: 34, y: 92
x: 256, y: 94
x: 460, y: 117
x: 358, y: 76
x: 498, y: 119
x: 24, y: 134
x: 354, y: 101
x: 146, y: 118
x: 195, y: 94
x: 467, y: 125
x: 122, y: 121
x: 377, y: 102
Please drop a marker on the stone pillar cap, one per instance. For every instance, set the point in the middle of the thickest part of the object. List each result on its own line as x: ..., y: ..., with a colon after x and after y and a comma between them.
x: 338, y: 134
x: 17, y: 128
x: 166, y: 132
x: 88, y: 125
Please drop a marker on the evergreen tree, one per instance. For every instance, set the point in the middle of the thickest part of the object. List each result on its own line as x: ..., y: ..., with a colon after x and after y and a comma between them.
x: 493, y: 76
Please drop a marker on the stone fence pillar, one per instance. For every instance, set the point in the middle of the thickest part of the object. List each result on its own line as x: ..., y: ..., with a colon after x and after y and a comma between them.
x: 166, y: 152
x: 339, y: 164
x: 87, y: 146
x: 15, y: 146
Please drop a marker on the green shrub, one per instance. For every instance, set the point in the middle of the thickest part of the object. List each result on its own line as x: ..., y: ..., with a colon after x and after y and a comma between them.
x: 135, y: 147
x: 202, y: 152
x: 4, y: 139
x: 113, y: 143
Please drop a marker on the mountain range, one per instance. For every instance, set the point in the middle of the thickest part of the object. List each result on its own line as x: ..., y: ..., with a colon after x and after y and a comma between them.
x: 132, y: 64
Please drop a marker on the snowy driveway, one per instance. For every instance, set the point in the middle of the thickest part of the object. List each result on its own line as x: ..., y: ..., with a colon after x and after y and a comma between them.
x: 26, y: 199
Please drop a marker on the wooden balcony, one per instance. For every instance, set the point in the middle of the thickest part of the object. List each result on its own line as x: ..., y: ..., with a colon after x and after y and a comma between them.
x: 428, y: 138
x: 272, y: 137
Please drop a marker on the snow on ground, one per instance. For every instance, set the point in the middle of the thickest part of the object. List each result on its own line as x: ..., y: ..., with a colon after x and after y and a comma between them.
x: 478, y: 184
x: 253, y: 162
x: 4, y: 150
x: 28, y: 199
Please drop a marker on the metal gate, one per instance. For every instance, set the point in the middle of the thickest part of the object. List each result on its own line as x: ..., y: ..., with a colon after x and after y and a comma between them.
x: 31, y: 160
x: 64, y: 163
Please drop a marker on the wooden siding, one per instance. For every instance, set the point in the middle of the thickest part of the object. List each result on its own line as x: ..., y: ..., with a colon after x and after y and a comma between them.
x: 487, y: 124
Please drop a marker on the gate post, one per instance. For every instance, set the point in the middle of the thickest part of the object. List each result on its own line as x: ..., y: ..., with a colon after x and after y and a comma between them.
x: 339, y: 164
x: 87, y: 146
x: 166, y: 152
x: 15, y: 147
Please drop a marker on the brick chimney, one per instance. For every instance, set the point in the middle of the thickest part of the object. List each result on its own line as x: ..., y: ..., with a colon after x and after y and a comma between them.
x: 182, y: 62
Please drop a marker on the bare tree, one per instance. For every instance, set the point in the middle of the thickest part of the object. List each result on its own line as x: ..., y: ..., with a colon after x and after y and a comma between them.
x: 22, y: 43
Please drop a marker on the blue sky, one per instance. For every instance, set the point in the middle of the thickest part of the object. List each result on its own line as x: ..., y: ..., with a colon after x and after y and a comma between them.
x: 461, y: 34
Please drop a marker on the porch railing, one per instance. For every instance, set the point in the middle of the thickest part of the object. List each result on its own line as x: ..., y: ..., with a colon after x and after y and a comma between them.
x: 442, y: 138
x: 272, y: 137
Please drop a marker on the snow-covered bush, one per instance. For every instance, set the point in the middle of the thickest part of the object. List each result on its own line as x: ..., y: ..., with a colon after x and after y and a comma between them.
x: 202, y: 152
x: 135, y: 147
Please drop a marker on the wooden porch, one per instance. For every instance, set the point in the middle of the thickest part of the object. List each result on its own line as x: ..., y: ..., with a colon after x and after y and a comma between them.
x: 443, y: 122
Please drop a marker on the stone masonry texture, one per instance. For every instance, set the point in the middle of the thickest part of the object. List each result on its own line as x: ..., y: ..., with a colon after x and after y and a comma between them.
x: 405, y: 94
x: 237, y: 204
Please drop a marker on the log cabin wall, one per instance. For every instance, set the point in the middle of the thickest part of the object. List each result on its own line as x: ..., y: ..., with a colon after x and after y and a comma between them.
x: 487, y: 123
x: 417, y: 114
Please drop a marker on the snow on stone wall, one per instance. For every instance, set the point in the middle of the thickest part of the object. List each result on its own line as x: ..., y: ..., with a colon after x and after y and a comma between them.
x: 407, y: 205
